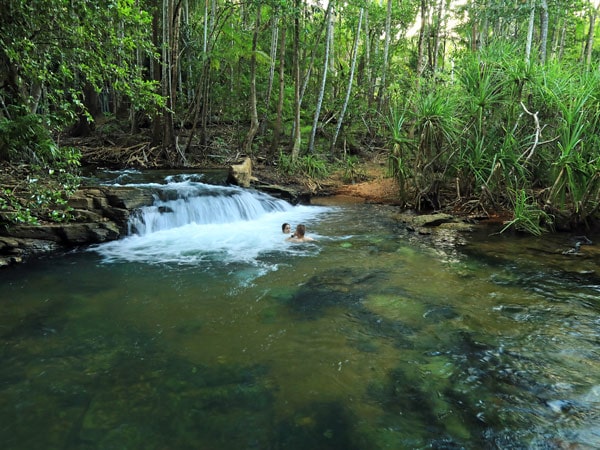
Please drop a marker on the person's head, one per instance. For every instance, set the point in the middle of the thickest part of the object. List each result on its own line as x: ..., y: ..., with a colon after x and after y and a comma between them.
x: 286, y: 228
x: 300, y: 231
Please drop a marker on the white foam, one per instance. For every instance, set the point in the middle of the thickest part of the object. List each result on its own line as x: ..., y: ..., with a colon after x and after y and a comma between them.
x: 224, y: 225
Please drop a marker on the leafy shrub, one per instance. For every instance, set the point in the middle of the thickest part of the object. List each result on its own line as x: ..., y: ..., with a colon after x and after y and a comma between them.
x: 527, y: 216
x: 286, y: 163
x: 352, y: 169
x: 313, y: 166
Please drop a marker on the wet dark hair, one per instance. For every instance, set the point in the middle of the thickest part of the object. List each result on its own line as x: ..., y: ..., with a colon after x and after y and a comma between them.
x: 300, y: 230
x: 284, y: 225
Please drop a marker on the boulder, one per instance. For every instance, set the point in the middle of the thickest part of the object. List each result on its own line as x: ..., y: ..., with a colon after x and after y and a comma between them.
x: 241, y: 174
x: 16, y: 250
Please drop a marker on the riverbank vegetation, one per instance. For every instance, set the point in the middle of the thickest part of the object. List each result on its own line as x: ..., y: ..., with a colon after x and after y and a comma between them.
x: 477, y: 105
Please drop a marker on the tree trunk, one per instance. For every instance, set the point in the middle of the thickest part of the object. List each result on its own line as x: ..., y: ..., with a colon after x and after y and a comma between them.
x: 272, y: 64
x: 279, y: 116
x: 562, y: 38
x: 133, y: 117
x: 382, y: 92
x: 351, y: 78
x: 201, y: 105
x: 253, y: 108
x: 543, y: 31
x: 530, y: 33
x: 296, y: 71
x: 422, y: 41
x: 168, y: 128
x: 437, y: 38
x: 155, y: 73
x: 313, y: 54
x: 590, y: 38
x: 328, y: 33
x: 164, y: 130
x: 367, y: 63
x: 474, y: 29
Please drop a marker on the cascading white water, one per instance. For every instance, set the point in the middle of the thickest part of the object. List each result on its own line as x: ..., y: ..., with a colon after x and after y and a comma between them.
x: 179, y: 204
x: 192, y: 222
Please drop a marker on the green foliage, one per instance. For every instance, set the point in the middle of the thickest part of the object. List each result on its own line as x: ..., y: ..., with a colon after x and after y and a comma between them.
x: 487, y: 121
x: 482, y: 81
x: 286, y: 163
x: 574, y: 168
x: 310, y: 165
x: 352, y: 169
x: 396, y: 127
x: 503, y: 126
x: 313, y: 166
x: 26, y: 137
x: 43, y: 194
x: 527, y: 216
x: 436, y: 122
x: 12, y: 211
x: 89, y: 44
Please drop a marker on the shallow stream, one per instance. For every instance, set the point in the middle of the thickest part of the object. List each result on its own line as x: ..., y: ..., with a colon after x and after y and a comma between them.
x: 215, y: 333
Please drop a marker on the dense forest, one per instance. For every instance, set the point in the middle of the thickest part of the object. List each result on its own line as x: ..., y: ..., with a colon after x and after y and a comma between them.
x: 486, y: 104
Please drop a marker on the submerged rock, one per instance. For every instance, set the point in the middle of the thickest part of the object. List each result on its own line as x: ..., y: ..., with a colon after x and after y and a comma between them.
x: 427, y: 223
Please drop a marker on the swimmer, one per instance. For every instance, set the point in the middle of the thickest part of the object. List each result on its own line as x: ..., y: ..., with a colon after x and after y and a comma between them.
x: 299, y: 235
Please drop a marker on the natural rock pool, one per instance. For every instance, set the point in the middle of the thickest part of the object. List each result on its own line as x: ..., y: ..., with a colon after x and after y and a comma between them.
x: 212, y: 332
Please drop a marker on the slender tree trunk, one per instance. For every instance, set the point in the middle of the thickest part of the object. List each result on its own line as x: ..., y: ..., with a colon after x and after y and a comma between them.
x: 563, y: 38
x: 168, y: 129
x: 382, y: 92
x: 543, y: 31
x: 311, y: 143
x: 530, y: 32
x: 155, y: 73
x: 590, y: 38
x: 484, y: 25
x: 164, y: 130
x: 188, y: 61
x: 474, y: 28
x: 296, y: 140
x: 272, y: 65
x: 368, y: 69
x: 201, y: 109
x: 423, y: 32
x: 555, y: 36
x: 437, y: 37
x: 313, y: 54
x: 134, y: 126
x: 279, y: 116
x: 253, y: 107
x: 302, y: 81
x: 350, y: 80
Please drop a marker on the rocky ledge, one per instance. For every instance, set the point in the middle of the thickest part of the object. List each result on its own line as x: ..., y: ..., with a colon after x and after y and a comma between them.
x: 101, y: 214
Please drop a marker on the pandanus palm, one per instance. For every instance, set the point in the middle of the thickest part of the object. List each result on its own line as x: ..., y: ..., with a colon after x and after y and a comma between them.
x: 437, y: 126
x: 575, y: 167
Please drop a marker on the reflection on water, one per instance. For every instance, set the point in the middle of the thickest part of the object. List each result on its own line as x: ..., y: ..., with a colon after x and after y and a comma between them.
x: 374, y: 338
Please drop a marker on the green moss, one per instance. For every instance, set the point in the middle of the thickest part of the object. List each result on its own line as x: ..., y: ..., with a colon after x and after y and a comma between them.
x: 408, y: 310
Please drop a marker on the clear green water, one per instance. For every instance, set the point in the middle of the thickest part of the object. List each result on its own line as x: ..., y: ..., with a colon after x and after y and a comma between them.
x: 379, y: 340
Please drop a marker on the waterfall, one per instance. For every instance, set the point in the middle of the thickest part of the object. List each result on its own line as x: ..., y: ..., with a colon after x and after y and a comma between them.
x: 192, y: 222
x: 179, y: 204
